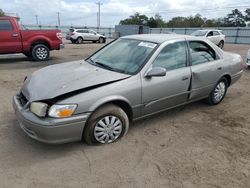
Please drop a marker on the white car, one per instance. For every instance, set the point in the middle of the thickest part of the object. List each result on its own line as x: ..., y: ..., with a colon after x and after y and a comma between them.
x: 248, y: 58
x: 80, y: 35
x: 215, y: 36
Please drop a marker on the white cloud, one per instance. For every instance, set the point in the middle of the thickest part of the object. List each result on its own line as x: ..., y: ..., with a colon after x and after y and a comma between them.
x: 112, y: 11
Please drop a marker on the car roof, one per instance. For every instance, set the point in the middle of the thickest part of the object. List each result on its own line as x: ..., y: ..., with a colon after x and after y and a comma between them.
x: 158, y: 38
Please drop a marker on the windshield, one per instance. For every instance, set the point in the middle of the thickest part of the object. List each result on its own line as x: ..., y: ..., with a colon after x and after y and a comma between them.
x: 124, y: 55
x: 199, y: 33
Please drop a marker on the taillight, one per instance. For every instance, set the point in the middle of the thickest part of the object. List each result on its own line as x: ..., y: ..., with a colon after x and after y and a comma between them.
x: 59, y: 35
x: 71, y: 33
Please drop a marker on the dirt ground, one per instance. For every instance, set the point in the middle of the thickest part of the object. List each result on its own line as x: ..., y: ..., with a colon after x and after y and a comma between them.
x: 194, y: 146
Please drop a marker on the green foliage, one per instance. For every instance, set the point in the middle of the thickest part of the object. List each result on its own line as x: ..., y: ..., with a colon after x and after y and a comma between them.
x: 247, y: 17
x: 233, y: 19
x: 136, y: 19
x: 2, y: 13
x: 156, y: 21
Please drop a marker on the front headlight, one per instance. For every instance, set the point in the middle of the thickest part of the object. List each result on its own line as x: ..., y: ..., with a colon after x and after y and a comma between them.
x: 62, y: 111
x: 39, y: 108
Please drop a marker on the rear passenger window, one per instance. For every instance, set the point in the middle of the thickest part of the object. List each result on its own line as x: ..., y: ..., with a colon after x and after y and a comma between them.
x: 201, y: 53
x: 216, y: 33
x: 5, y: 25
x: 172, y: 56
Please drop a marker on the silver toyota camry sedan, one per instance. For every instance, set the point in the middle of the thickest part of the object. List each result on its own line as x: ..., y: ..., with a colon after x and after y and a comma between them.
x: 133, y: 77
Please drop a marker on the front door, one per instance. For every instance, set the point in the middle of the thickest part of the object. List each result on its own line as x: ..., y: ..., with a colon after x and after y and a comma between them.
x: 159, y: 93
x: 10, y: 40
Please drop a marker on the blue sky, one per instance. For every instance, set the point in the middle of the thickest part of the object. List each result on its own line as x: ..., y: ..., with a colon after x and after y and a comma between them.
x: 83, y: 12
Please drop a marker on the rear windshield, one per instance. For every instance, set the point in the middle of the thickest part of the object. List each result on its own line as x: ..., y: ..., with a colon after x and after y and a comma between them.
x: 71, y: 30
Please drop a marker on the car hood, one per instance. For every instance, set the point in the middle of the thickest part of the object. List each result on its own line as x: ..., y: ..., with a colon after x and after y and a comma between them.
x: 56, y: 80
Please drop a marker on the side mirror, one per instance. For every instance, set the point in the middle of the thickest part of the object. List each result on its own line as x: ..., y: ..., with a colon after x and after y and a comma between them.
x: 156, y: 72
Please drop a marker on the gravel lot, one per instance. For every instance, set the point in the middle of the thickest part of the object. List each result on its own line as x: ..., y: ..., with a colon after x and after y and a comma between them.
x: 193, y: 146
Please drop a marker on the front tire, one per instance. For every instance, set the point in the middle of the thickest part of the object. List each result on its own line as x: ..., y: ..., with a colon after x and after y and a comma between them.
x: 40, y: 52
x: 221, y: 44
x: 218, y: 93
x: 106, y: 125
x: 102, y: 40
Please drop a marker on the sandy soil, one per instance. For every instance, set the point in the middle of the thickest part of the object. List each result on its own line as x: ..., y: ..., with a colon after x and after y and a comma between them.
x: 194, y: 146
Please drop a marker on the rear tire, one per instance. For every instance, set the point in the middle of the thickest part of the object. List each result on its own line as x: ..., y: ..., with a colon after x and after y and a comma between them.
x: 218, y: 93
x: 106, y: 125
x: 40, y: 52
x: 79, y: 40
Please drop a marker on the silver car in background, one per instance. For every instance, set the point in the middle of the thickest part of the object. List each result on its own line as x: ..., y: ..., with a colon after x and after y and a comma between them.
x: 80, y: 35
x: 215, y: 36
x: 129, y: 79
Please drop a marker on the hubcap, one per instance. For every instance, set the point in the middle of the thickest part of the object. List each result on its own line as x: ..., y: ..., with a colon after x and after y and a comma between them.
x: 108, y: 129
x: 41, y: 53
x: 219, y: 91
x: 79, y: 40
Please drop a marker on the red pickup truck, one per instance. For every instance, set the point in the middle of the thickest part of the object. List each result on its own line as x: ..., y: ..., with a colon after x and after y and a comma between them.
x: 32, y: 43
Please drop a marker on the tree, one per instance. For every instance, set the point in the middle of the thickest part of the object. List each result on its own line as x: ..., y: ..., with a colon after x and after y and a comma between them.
x: 2, y: 13
x: 156, y: 21
x: 247, y: 17
x: 136, y: 19
x: 235, y: 19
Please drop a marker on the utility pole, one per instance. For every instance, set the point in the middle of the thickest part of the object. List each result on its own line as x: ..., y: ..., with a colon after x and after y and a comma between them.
x: 58, y: 19
x: 36, y: 19
x: 99, y: 14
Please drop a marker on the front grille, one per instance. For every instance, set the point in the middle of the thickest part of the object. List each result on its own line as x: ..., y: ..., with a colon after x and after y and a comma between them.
x: 23, y: 99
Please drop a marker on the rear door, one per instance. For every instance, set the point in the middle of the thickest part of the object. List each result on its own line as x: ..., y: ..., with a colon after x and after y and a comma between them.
x: 10, y: 39
x: 159, y: 93
x: 206, y: 67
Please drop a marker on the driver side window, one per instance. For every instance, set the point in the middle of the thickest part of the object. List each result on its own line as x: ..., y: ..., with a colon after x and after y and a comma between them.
x: 172, y: 56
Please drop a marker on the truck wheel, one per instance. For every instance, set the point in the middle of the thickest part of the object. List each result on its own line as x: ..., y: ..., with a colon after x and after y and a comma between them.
x: 101, y: 40
x: 40, y: 52
x: 106, y: 125
x: 218, y: 93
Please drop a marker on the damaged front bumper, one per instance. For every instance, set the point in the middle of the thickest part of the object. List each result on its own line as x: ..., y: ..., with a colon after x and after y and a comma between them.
x: 49, y: 130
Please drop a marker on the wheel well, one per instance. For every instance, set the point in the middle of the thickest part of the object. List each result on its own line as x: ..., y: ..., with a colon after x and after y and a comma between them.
x: 124, y: 106
x: 40, y: 42
x: 228, y: 79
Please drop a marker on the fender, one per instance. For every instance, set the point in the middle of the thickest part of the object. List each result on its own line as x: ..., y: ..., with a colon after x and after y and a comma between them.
x: 28, y: 43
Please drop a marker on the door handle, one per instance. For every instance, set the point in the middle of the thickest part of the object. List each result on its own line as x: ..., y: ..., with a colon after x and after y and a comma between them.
x: 185, y: 78
x: 219, y: 68
x: 14, y: 35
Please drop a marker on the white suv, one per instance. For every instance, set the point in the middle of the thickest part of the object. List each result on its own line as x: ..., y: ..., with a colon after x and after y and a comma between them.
x: 216, y: 36
x: 80, y: 35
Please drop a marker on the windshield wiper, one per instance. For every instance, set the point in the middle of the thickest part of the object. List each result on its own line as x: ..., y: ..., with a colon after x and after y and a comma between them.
x: 104, y: 65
